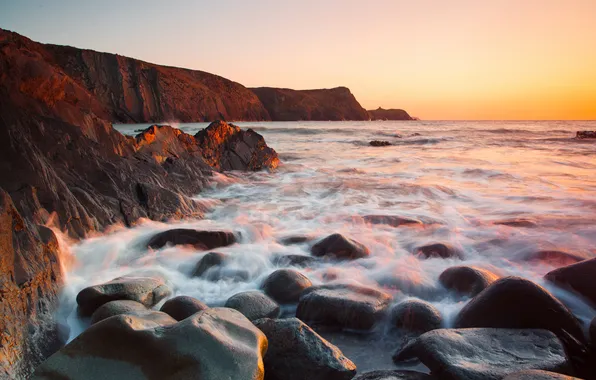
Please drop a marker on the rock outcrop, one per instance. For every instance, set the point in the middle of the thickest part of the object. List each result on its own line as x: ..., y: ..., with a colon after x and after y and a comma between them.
x: 284, y: 104
x: 586, y: 135
x: 389, y: 114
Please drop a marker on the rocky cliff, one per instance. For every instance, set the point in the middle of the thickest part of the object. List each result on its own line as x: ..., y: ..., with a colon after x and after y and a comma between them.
x: 325, y: 104
x: 389, y: 114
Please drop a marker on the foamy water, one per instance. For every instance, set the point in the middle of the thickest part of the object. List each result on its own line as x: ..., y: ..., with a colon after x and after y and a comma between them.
x: 457, y: 177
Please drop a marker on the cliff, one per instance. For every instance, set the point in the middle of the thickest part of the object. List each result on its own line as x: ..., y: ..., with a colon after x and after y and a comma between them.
x: 325, y: 104
x: 390, y: 114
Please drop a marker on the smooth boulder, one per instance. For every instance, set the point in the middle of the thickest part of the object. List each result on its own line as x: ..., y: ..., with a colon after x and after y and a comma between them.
x: 438, y: 250
x: 254, y: 305
x: 146, y: 289
x: 182, y: 307
x: 345, y: 306
x: 513, y: 302
x: 536, y: 374
x: 285, y: 285
x: 485, y: 353
x: 296, y: 352
x: 127, y: 307
x: 416, y: 316
x: 578, y: 278
x: 202, y: 240
x: 214, y: 344
x: 467, y: 280
x: 340, y: 247
x: 394, y: 374
x: 210, y: 260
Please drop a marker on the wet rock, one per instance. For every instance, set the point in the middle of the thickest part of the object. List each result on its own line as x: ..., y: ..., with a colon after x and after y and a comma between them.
x: 182, y: 307
x: 210, y: 260
x: 578, y: 278
x: 135, y: 287
x: 440, y: 250
x: 298, y: 239
x: 484, y: 354
x: 535, y: 374
x: 556, y: 258
x: 391, y: 220
x: 523, y: 223
x: 227, y: 147
x: 134, y: 308
x: 163, y: 204
x: 379, y: 143
x: 417, y: 316
x: 467, y: 280
x: 199, y: 239
x: 254, y: 305
x: 340, y: 247
x: 514, y: 302
x: 301, y: 261
x: 593, y: 331
x: 586, y: 135
x: 214, y: 344
x: 394, y: 374
x: 345, y: 306
x: 296, y: 352
x: 285, y: 285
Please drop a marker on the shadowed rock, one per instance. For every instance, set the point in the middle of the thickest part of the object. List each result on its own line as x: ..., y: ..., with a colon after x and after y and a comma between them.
x: 182, y: 307
x: 524, y: 223
x: 199, y: 239
x: 391, y: 220
x: 301, y: 261
x: 296, y: 352
x: 394, y: 374
x: 555, y: 258
x: 379, y: 143
x: 133, y: 308
x: 297, y: 239
x: 586, y: 135
x: 254, y: 305
x: 578, y: 278
x: 535, y: 374
x: 417, y: 316
x: 440, y: 250
x: 389, y: 114
x: 340, y: 247
x: 210, y: 260
x: 467, y: 280
x: 285, y: 285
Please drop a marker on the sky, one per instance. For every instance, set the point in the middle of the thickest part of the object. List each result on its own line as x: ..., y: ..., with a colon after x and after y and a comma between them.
x: 439, y: 60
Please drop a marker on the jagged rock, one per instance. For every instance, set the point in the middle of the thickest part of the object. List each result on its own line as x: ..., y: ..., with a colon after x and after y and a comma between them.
x: 485, y: 354
x: 285, y: 285
x: 30, y: 280
x: 182, y: 307
x: 577, y: 277
x: 467, y: 280
x: 535, y: 374
x: 379, y: 143
x: 296, y: 352
x: 144, y: 288
x: 440, y: 250
x: 199, y: 239
x: 417, y: 316
x: 294, y: 260
x: 392, y: 374
x: 586, y: 135
x: 340, y: 247
x: 389, y: 114
x: 253, y: 305
x: 214, y: 344
x: 226, y: 147
x: 345, y: 306
x: 133, y: 308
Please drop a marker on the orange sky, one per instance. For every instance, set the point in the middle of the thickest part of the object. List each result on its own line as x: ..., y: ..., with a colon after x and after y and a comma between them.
x: 457, y: 59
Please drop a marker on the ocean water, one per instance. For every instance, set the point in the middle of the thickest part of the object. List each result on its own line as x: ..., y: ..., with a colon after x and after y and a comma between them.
x: 459, y: 178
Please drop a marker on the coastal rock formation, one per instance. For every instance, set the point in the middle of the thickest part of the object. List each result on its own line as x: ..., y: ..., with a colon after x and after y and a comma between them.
x: 467, y: 280
x: 394, y: 374
x: 379, y: 143
x: 182, y: 307
x: 586, y: 135
x: 416, y: 315
x: 253, y: 304
x: 389, y: 114
x: 30, y: 280
x: 340, y: 247
x: 284, y: 104
x: 285, y: 285
x: 199, y: 239
x: 578, y: 278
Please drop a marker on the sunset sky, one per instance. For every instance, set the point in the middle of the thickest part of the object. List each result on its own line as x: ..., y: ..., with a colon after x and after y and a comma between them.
x: 457, y: 59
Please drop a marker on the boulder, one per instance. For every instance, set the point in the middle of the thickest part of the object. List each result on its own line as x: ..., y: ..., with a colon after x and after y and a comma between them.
x: 254, y: 305
x: 438, y: 250
x: 379, y: 143
x: 301, y: 261
x: 416, y: 316
x: 345, y: 306
x: 210, y: 260
x: 524, y: 223
x: 513, y: 302
x: 142, y: 288
x: 214, y: 344
x: 285, y: 285
x: 485, y: 354
x: 212, y: 267
x: 536, y: 374
x: 391, y: 220
x: 182, y: 307
x: 555, y: 258
x: 202, y: 240
x: 127, y: 307
x: 394, y: 374
x: 578, y: 278
x: 296, y: 239
x: 467, y: 280
x: 340, y: 247
x: 586, y: 135
x: 296, y: 352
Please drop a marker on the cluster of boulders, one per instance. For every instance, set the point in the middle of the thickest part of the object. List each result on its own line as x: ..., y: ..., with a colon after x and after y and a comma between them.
x: 511, y: 328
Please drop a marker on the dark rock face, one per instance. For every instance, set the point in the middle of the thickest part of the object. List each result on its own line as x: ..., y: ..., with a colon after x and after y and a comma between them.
x: 390, y: 220
x: 284, y: 104
x: 379, y: 143
x: 296, y: 352
x: 253, y: 305
x: 417, y: 316
x: 30, y: 280
x: 394, y: 375
x: 214, y: 344
x: 133, y: 308
x: 513, y: 302
x: 134, y: 287
x: 467, y: 280
x: 389, y: 114
x: 298, y: 239
x: 340, y: 247
x: 586, y: 135
x: 440, y: 250
x: 199, y: 239
x: 345, y: 306
x: 483, y: 354
x: 593, y: 331
x: 182, y: 307
x: 576, y: 277
x: 226, y: 147
x: 210, y: 260
x: 536, y: 374
x: 285, y: 285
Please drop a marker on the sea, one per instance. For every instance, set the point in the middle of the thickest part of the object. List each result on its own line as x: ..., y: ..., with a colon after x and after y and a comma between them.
x: 460, y: 179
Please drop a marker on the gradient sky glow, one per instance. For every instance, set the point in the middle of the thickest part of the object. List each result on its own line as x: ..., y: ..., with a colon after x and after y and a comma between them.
x: 457, y: 59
